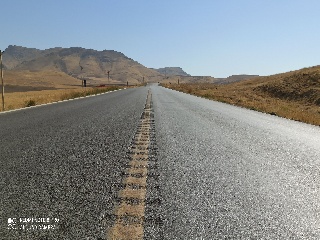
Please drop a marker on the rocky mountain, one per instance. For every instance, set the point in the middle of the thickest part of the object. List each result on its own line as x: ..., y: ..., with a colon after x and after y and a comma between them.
x: 107, y: 66
x: 15, y: 55
x: 172, y: 71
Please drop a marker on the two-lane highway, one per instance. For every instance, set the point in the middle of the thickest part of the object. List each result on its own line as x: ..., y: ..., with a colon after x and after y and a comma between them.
x: 220, y: 172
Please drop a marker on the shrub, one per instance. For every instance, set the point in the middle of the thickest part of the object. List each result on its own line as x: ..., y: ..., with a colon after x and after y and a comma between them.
x: 30, y: 103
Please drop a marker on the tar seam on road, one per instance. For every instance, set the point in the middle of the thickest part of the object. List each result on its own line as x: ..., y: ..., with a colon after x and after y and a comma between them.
x: 130, y: 213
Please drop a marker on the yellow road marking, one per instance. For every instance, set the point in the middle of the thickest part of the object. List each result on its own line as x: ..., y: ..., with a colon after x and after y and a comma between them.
x: 129, y: 222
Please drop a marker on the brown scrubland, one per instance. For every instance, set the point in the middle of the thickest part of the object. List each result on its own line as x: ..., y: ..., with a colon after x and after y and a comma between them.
x: 18, y: 100
x: 25, y: 88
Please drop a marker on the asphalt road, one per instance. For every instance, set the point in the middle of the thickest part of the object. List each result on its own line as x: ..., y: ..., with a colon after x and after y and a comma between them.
x: 220, y: 172
x: 232, y: 173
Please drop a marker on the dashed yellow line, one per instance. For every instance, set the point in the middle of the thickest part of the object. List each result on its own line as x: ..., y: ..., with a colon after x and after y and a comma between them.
x: 131, y: 210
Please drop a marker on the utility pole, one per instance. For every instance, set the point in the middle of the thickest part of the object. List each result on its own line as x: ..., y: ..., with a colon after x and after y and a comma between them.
x: 108, y: 75
x: 1, y: 73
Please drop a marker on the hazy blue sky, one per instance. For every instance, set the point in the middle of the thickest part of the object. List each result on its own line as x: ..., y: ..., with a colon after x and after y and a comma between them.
x: 204, y: 37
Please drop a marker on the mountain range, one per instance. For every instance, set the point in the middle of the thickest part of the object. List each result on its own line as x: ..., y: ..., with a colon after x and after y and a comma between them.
x: 98, y: 67
x: 81, y: 63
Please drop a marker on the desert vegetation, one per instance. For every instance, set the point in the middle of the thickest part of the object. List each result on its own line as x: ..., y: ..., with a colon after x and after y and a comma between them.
x: 294, y: 95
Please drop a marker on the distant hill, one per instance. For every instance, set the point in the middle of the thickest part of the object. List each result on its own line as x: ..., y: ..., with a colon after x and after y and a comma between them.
x: 80, y: 63
x: 172, y: 71
x: 234, y: 78
x: 188, y: 79
x: 207, y: 79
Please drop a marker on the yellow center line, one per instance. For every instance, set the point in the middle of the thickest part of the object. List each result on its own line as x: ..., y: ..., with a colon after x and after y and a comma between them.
x: 129, y: 216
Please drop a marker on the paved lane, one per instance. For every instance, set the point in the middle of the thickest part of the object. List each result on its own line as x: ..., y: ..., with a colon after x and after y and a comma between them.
x: 232, y: 173
x: 65, y: 162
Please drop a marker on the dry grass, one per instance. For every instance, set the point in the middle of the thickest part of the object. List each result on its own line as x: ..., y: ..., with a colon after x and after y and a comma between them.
x: 29, y: 88
x: 44, y: 79
x: 294, y: 95
x: 24, y: 99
